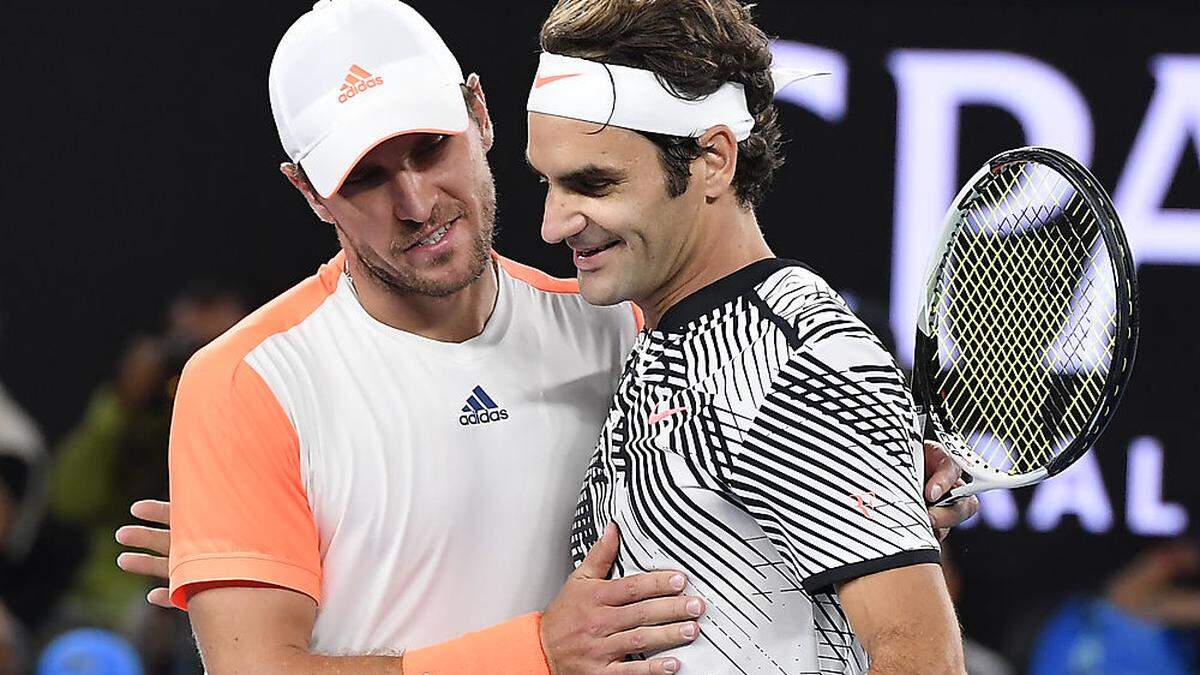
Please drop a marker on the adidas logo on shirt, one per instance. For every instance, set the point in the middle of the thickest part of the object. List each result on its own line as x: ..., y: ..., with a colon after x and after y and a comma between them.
x: 481, y: 409
x: 357, y: 80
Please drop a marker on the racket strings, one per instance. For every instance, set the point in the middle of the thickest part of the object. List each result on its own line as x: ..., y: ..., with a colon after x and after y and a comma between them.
x: 1000, y: 361
x: 1025, y: 318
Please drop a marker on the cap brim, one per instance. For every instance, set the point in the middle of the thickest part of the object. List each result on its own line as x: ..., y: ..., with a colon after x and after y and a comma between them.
x: 381, y: 115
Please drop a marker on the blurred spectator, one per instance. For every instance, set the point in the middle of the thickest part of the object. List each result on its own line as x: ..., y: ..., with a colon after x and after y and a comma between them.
x: 117, y: 454
x: 22, y: 456
x: 89, y: 651
x: 1144, y: 623
x: 14, y: 645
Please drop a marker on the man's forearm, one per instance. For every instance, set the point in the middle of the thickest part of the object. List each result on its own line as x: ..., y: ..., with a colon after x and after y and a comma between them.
x: 510, y: 647
x: 292, y: 660
x: 311, y: 664
x: 904, y: 654
x: 256, y: 630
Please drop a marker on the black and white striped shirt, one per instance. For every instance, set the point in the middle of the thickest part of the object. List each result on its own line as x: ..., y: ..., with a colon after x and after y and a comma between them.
x: 762, y: 441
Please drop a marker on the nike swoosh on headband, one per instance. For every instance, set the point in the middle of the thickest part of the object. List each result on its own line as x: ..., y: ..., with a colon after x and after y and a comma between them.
x: 540, y: 82
x: 634, y: 98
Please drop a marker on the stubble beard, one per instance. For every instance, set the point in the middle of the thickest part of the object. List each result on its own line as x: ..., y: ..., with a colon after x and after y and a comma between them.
x: 404, y: 282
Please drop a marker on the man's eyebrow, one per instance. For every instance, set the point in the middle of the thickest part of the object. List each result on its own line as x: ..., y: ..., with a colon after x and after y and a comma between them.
x: 591, y: 174
x: 588, y: 174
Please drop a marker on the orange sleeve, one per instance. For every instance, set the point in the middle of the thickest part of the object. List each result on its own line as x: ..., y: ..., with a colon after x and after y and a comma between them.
x: 513, y: 647
x: 239, y: 511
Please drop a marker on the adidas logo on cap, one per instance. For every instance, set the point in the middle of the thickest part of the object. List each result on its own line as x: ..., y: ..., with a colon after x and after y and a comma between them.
x: 357, y: 80
x: 481, y: 409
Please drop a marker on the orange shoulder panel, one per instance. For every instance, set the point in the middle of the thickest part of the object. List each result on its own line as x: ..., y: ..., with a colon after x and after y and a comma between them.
x: 542, y: 281
x: 535, y: 277
x: 239, y: 512
x: 282, y: 313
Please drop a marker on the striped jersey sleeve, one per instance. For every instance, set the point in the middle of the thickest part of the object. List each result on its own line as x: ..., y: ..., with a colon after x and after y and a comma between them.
x: 831, y: 465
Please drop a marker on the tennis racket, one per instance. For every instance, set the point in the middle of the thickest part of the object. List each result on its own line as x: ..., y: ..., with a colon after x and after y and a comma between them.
x: 1028, y: 324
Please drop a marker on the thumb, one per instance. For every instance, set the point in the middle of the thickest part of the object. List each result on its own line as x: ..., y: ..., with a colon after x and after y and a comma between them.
x: 941, y: 472
x: 600, y: 558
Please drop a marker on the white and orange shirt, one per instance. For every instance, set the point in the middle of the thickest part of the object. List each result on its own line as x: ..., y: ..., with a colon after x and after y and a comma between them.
x: 416, y: 489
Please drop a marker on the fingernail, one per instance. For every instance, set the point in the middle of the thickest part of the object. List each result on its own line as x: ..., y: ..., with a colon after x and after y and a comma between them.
x: 694, y: 607
x: 689, y: 631
x: 670, y: 665
x: 678, y: 582
x: 935, y: 492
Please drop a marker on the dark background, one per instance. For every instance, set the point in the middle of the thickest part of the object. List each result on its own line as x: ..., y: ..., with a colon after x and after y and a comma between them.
x: 139, y: 153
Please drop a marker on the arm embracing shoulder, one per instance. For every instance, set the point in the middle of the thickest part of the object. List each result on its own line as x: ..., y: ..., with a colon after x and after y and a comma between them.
x: 260, y: 630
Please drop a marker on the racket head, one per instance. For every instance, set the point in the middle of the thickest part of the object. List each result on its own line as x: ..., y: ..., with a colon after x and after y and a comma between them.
x: 1028, y: 324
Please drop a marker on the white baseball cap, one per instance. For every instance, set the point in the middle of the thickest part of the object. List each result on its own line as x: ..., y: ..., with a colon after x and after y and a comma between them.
x: 351, y: 74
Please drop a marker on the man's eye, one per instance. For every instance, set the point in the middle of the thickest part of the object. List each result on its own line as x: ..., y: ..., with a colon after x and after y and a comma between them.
x: 433, y: 144
x: 595, y: 188
x: 363, y: 178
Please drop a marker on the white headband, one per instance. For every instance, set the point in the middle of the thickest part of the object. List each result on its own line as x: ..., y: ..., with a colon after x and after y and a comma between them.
x: 583, y: 90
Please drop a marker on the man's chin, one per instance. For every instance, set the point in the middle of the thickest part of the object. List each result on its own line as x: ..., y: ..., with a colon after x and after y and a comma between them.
x: 442, y: 285
x: 441, y: 281
x: 598, y: 292
x: 440, y: 275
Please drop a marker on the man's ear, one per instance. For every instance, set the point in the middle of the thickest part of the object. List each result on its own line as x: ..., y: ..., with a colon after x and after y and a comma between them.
x: 479, y: 111
x: 718, y: 161
x: 300, y: 182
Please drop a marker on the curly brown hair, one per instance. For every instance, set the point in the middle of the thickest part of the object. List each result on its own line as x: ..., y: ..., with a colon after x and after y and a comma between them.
x: 694, y: 46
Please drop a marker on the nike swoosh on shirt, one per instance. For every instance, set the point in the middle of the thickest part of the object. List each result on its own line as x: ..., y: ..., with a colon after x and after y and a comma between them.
x: 660, y: 416
x: 540, y: 82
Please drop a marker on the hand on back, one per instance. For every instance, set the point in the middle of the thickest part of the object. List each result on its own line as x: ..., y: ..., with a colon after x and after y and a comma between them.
x: 594, y: 623
x: 157, y: 540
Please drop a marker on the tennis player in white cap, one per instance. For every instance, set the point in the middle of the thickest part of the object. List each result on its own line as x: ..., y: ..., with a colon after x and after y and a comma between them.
x: 386, y: 458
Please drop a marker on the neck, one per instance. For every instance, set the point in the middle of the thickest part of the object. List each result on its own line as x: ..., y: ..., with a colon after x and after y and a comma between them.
x: 457, y: 317
x: 727, y: 239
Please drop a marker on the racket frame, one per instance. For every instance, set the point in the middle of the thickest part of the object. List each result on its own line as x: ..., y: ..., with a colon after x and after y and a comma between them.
x: 930, y: 413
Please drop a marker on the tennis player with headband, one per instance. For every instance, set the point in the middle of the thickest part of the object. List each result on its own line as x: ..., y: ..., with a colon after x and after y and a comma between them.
x: 761, y: 438
x: 329, y: 499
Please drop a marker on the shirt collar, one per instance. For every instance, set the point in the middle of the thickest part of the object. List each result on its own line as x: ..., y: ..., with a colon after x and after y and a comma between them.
x: 720, y: 292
